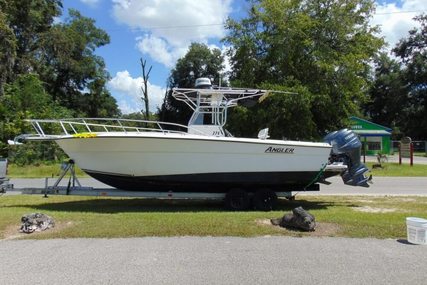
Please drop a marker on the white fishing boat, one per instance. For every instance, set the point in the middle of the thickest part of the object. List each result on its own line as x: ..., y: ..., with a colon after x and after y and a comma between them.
x: 202, y: 156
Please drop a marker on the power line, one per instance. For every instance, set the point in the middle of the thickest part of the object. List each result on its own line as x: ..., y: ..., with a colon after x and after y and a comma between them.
x: 222, y: 24
x: 170, y: 27
x: 400, y: 12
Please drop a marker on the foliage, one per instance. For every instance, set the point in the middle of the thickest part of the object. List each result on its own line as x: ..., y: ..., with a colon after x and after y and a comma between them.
x: 323, y: 46
x: 283, y: 112
x: 62, y: 54
x: 23, y: 99
x: 69, y: 65
x: 200, y: 61
x: 48, y: 70
x: 7, y: 51
x: 399, y: 90
x: 28, y: 20
x: 413, y: 53
x: 98, y: 102
x: 388, y: 94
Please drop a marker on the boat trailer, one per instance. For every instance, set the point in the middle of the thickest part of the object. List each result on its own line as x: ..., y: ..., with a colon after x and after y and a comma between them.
x: 4, y: 181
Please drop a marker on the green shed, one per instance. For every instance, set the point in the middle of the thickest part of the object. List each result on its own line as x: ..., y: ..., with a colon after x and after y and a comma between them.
x: 375, y: 138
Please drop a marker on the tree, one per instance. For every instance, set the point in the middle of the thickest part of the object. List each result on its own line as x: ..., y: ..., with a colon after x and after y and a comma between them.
x: 200, y: 61
x: 413, y: 53
x: 144, y: 88
x: 7, y: 51
x: 323, y: 46
x: 278, y: 112
x: 48, y: 70
x: 23, y: 99
x: 389, y: 96
x: 28, y: 20
x: 62, y: 54
x: 69, y: 64
x: 98, y: 102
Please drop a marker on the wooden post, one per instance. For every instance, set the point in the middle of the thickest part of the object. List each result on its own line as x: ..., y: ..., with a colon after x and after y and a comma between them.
x: 400, y: 153
x: 412, y: 154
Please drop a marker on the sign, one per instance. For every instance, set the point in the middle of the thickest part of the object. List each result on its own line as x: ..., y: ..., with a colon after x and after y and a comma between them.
x: 405, y: 147
x: 406, y: 150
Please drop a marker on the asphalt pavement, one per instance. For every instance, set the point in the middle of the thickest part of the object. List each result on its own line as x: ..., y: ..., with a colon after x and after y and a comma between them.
x: 380, y: 186
x: 209, y: 260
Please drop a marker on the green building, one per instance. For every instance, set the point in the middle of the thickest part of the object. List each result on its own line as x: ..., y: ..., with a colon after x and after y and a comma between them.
x: 375, y: 138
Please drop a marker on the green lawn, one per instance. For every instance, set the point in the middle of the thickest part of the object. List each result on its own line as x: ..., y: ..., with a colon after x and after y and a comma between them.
x: 38, y: 171
x: 357, y: 216
x: 404, y: 170
x: 420, y: 154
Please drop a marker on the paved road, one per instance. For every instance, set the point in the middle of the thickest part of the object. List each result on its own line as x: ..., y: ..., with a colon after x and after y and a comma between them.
x: 225, y: 260
x: 380, y: 186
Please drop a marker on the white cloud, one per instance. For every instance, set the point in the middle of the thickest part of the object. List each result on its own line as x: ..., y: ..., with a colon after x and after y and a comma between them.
x: 90, y: 2
x: 169, y: 26
x: 157, y: 48
x: 128, y: 92
x: 393, y: 23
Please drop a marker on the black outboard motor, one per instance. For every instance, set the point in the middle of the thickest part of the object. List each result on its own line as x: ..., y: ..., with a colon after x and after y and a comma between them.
x: 346, y: 148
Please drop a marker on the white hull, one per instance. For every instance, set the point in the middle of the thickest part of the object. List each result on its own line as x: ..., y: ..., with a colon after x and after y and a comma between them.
x: 167, y: 155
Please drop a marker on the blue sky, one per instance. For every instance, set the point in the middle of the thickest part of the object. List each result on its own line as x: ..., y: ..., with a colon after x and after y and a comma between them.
x: 161, y: 30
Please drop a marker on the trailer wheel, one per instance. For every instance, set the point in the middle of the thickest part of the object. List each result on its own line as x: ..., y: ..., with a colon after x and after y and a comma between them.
x: 237, y: 200
x: 264, y: 200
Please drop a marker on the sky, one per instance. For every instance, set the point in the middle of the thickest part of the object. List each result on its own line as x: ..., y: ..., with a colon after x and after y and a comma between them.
x: 160, y: 31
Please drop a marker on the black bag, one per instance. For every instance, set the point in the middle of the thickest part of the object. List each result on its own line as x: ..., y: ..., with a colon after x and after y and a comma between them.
x: 298, y: 219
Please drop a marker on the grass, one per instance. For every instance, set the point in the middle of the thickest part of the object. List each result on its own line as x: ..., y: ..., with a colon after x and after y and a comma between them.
x: 92, y: 217
x: 423, y: 154
x: 403, y: 170
x: 38, y: 171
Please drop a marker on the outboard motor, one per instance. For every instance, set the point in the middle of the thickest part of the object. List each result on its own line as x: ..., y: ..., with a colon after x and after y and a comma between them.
x: 346, y: 148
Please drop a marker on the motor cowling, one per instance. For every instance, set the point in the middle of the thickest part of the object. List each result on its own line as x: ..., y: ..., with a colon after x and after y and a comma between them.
x: 346, y: 148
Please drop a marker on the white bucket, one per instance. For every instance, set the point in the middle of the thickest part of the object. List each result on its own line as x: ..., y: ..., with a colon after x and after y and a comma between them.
x: 416, y: 230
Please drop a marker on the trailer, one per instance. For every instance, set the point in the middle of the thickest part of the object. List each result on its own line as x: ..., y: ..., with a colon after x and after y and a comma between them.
x: 4, y: 181
x: 68, y: 184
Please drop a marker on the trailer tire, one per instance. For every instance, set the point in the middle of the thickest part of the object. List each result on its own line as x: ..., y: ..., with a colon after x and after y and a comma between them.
x: 264, y: 200
x: 237, y: 199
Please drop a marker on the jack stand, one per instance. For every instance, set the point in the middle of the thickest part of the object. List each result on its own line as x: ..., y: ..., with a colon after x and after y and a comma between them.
x: 69, y: 166
x: 46, y: 183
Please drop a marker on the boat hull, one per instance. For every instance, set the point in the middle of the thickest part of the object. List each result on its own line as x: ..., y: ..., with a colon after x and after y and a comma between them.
x: 211, y: 182
x: 167, y: 162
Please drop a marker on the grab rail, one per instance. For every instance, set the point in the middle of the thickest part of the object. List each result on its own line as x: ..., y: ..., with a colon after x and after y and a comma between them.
x: 71, y: 126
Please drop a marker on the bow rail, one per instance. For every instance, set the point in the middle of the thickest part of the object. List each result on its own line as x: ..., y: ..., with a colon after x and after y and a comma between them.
x: 54, y: 128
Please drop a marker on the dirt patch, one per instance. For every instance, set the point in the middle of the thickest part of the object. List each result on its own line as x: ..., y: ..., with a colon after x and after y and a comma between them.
x: 364, y: 201
x: 322, y: 229
x: 12, y: 232
x: 407, y: 199
x: 367, y: 209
